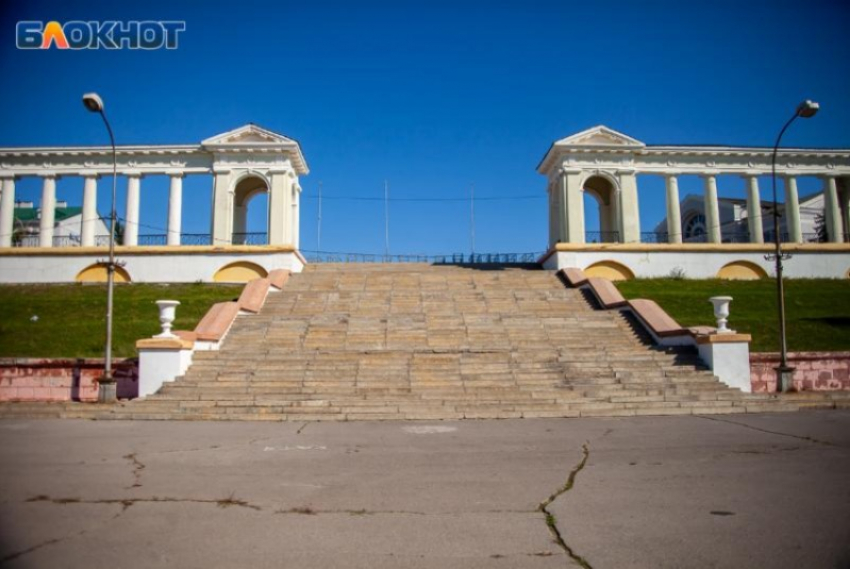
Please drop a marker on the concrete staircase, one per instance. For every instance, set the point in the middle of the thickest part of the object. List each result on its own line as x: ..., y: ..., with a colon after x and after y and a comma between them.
x: 416, y: 341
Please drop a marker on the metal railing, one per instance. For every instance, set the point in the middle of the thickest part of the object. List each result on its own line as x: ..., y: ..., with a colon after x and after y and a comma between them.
x: 250, y: 238
x: 601, y: 236
x: 453, y: 259
x: 152, y: 240
x: 196, y: 239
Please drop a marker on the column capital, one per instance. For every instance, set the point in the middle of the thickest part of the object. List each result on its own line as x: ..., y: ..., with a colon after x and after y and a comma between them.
x: 52, y: 175
x: 283, y: 171
x: 565, y: 171
x: 709, y: 173
x: 626, y: 171
x: 220, y: 170
x: 750, y: 174
x: 175, y: 173
x: 7, y: 176
x: 671, y: 173
x: 132, y: 173
x: 90, y: 174
x: 828, y: 175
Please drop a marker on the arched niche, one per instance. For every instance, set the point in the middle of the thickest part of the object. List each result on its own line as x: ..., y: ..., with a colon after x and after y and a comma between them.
x: 97, y: 273
x: 246, y: 192
x: 741, y: 271
x: 239, y: 272
x: 603, y: 192
x: 611, y: 270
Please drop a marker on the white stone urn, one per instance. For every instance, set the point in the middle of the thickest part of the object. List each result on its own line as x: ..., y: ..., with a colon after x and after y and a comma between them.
x: 167, y: 311
x: 721, y: 312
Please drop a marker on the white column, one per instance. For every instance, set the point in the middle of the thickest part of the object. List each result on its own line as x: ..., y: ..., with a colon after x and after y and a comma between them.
x: 280, y: 207
x: 712, y: 209
x: 755, y: 220
x: 674, y: 210
x: 296, y: 215
x: 131, y: 218
x: 175, y: 208
x: 563, y: 233
x: 845, y: 205
x: 221, y: 224
x: 792, y: 211
x: 48, y: 211
x: 553, y: 214
x: 573, y: 206
x: 616, y: 216
x: 90, y: 216
x: 831, y: 211
x: 629, y: 207
x: 7, y: 211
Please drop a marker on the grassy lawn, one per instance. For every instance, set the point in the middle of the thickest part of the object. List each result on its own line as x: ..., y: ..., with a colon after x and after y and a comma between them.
x: 72, y: 318
x: 817, y: 310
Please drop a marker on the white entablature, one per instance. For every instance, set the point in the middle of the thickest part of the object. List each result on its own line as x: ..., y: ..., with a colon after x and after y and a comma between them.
x: 605, y: 163
x: 603, y: 147
x: 242, y: 162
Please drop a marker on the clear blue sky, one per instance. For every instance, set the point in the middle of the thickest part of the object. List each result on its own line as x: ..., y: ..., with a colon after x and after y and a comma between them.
x: 433, y: 97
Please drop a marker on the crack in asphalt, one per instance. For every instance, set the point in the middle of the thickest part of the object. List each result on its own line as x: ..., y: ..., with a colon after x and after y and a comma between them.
x: 14, y: 555
x: 301, y: 428
x: 127, y: 502
x: 551, y: 522
x: 768, y: 431
x: 137, y: 470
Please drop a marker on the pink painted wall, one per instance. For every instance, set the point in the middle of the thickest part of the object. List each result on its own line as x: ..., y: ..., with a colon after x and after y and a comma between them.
x: 35, y: 379
x: 814, y: 371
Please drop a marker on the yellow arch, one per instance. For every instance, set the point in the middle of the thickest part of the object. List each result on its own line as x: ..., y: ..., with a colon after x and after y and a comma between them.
x: 240, y: 272
x: 97, y: 274
x: 611, y: 270
x: 741, y: 271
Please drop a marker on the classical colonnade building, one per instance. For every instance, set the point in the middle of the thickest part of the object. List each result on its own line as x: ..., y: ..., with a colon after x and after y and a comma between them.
x: 243, y: 162
x: 605, y: 163
x: 599, y: 162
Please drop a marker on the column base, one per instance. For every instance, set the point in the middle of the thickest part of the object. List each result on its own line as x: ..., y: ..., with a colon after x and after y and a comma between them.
x: 784, y: 378
x: 107, y: 391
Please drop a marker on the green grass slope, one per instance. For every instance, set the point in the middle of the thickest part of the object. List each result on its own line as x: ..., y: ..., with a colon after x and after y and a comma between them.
x: 817, y: 310
x: 69, y: 321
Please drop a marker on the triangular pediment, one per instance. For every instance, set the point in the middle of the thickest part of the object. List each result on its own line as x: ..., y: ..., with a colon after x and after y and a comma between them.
x: 600, y: 136
x: 247, y: 135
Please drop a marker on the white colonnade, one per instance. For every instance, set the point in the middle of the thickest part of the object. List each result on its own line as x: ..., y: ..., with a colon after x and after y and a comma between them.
x: 574, y: 163
x: 250, y: 151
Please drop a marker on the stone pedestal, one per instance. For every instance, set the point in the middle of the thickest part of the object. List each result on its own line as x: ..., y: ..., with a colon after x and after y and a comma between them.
x: 728, y: 356
x: 162, y: 360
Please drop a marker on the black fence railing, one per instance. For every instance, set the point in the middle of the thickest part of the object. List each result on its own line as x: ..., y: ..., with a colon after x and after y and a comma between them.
x: 196, y: 239
x: 453, y: 259
x: 601, y: 236
x: 152, y: 240
x: 250, y: 238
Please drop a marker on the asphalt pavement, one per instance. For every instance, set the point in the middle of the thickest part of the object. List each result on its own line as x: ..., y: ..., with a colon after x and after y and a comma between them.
x: 748, y: 491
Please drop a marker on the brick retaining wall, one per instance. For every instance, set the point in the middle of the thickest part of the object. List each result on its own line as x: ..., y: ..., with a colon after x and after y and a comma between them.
x: 814, y: 371
x: 45, y: 379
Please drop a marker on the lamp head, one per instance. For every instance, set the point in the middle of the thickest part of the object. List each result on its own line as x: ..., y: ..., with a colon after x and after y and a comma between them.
x: 93, y: 102
x: 807, y: 109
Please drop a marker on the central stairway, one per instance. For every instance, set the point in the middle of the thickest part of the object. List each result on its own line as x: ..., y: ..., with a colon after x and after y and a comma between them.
x: 417, y: 341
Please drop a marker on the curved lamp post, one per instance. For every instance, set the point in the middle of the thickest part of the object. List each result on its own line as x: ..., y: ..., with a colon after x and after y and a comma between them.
x: 106, y: 390
x: 784, y: 373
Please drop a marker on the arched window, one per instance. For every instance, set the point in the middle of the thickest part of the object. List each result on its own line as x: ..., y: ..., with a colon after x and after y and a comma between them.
x: 695, y: 228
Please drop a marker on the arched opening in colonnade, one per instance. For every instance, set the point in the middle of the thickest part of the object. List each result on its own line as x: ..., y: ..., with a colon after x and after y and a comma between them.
x: 251, y: 211
x: 601, y: 210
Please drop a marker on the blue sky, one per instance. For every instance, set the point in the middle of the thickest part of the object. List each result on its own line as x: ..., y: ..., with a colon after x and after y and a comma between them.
x: 433, y: 97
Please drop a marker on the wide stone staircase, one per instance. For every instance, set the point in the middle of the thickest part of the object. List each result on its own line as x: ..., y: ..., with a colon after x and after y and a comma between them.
x: 411, y: 341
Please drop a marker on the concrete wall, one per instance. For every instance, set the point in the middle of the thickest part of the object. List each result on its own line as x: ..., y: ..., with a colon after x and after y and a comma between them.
x: 814, y: 371
x: 144, y: 264
x: 698, y: 262
x: 42, y: 379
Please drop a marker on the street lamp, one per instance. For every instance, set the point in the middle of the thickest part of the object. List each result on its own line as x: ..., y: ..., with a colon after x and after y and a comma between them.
x: 784, y: 373
x: 106, y: 391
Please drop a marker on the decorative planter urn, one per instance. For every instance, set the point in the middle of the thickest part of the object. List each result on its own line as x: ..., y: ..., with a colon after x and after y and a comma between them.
x: 721, y: 312
x: 167, y: 310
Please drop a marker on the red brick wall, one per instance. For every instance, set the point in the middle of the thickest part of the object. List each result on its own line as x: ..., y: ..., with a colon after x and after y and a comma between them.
x: 814, y: 371
x: 34, y: 379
